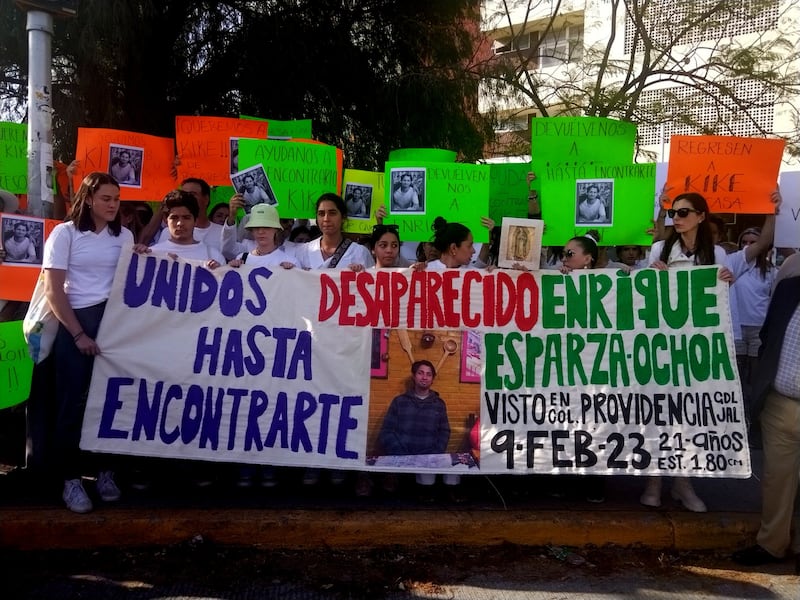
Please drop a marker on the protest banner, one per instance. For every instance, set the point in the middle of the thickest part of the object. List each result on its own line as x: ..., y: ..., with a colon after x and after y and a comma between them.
x: 207, y: 145
x: 733, y: 174
x: 16, y: 366
x: 298, y: 172
x: 456, y: 191
x: 625, y: 193
x: 14, y: 152
x: 508, y: 190
x: 142, y: 164
x: 18, y: 278
x: 363, y: 194
x: 593, y: 372
x: 296, y: 128
x: 787, y: 223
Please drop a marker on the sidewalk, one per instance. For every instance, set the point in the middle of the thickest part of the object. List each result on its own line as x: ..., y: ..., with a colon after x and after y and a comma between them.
x: 500, y: 509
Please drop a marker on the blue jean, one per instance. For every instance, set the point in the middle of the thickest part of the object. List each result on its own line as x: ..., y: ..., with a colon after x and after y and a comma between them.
x: 73, y: 375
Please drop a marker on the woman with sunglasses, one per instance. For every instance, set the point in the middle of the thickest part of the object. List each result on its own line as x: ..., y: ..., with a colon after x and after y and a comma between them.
x: 690, y: 243
x: 581, y: 252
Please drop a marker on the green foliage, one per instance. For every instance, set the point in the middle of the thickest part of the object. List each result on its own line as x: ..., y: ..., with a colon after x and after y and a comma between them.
x: 373, y: 75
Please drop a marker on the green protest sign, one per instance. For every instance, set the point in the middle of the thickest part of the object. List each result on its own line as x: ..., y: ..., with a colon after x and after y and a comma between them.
x: 14, y: 152
x: 615, y: 200
x: 298, y: 128
x: 16, y: 366
x: 559, y: 145
x: 422, y: 154
x: 419, y: 191
x: 508, y: 190
x: 363, y: 194
x: 298, y: 172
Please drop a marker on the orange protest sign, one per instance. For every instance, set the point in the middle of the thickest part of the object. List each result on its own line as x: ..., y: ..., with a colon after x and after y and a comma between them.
x: 141, y: 163
x: 733, y: 174
x: 207, y: 146
x: 18, y: 277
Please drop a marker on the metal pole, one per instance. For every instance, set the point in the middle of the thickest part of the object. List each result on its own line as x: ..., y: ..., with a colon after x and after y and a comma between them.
x: 40, y: 125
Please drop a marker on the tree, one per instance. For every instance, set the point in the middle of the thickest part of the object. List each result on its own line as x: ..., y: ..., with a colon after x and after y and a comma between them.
x: 373, y: 75
x: 689, y: 66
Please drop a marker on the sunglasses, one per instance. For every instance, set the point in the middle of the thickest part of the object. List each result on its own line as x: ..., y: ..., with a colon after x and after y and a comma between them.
x: 569, y: 253
x: 681, y: 212
x: 383, y: 228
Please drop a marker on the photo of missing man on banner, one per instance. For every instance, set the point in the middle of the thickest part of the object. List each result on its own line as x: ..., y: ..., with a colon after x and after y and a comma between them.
x: 23, y: 240
x: 125, y: 164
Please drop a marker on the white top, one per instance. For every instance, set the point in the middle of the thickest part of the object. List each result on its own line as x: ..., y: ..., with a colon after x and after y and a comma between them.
x: 750, y: 293
x: 273, y: 259
x: 89, y: 259
x: 211, y: 235
x: 198, y: 251
x: 438, y: 265
x: 678, y: 259
x: 230, y: 246
x: 309, y: 256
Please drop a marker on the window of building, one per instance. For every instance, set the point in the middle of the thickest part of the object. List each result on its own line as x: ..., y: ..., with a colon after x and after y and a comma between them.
x: 561, y: 46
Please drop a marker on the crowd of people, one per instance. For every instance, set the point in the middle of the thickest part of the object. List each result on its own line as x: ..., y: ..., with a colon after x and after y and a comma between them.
x: 81, y: 254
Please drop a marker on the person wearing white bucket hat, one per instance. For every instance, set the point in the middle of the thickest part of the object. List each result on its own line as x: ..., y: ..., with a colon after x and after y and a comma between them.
x: 265, y: 225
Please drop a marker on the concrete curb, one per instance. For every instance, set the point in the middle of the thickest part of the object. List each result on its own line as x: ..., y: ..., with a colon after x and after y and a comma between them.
x: 49, y: 529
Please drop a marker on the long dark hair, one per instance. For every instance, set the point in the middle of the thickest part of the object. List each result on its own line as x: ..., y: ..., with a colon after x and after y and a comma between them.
x: 704, y: 242
x: 445, y: 233
x: 81, y: 212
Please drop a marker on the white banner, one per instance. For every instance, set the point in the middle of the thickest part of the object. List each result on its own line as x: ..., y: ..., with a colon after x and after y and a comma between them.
x: 594, y: 372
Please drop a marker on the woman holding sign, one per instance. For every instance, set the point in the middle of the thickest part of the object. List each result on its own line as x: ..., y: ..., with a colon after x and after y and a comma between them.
x: 80, y: 259
x: 690, y: 244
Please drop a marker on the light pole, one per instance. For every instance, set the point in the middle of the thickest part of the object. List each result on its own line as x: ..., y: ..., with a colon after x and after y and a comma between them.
x: 40, y: 122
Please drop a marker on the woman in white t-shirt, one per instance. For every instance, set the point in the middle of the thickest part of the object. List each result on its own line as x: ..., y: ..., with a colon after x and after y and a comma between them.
x: 265, y: 226
x: 80, y: 259
x: 690, y: 244
x: 456, y: 245
x: 332, y: 250
x: 750, y: 294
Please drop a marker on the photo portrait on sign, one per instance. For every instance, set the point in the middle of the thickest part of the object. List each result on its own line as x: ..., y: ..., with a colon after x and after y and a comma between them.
x: 358, y: 200
x: 125, y: 164
x: 254, y: 185
x: 234, y: 154
x: 408, y: 191
x: 23, y: 240
x: 594, y: 202
x: 520, y: 243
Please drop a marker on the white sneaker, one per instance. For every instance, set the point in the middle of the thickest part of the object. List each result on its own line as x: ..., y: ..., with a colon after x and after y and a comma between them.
x: 652, y: 493
x: 75, y: 496
x: 683, y: 492
x: 106, y: 488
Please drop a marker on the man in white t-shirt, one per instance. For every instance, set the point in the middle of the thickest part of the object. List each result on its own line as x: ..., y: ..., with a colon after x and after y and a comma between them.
x: 182, y: 212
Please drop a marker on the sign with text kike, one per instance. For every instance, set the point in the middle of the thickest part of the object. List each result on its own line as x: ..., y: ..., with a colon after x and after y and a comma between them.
x: 733, y: 174
x: 594, y: 372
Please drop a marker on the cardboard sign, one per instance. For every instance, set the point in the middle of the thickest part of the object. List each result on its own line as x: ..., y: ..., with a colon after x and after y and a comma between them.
x: 298, y: 172
x: 16, y: 365
x: 733, y: 174
x: 561, y: 144
x: 205, y: 145
x: 141, y: 163
x: 14, y: 157
x: 458, y: 192
x: 787, y: 222
x: 363, y: 194
x: 508, y: 190
x: 626, y: 192
x: 17, y: 280
x: 296, y: 128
